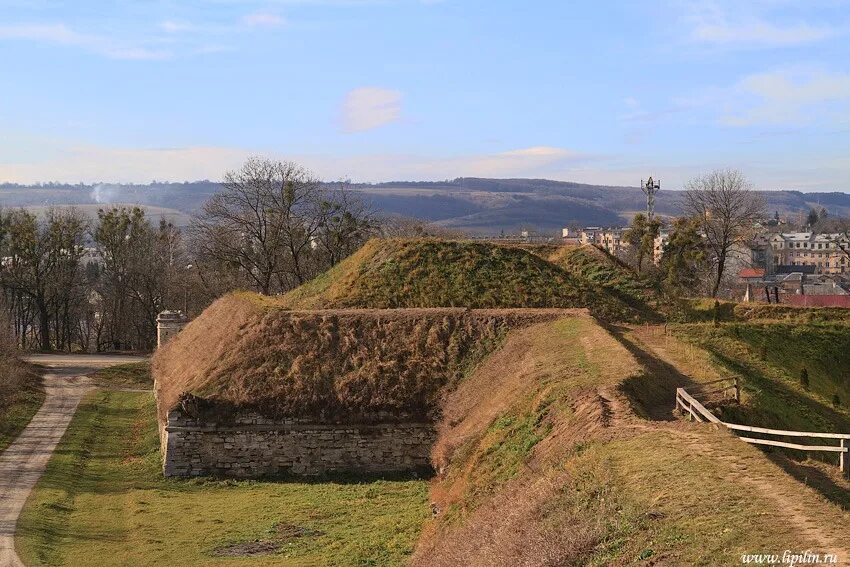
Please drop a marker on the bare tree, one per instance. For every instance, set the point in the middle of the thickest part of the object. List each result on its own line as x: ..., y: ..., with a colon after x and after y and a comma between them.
x: 41, y: 272
x: 269, y: 221
x: 725, y: 207
x: 138, y: 275
x: 345, y: 223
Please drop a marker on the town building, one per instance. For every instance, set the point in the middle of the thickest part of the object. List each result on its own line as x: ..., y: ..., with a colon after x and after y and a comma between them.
x: 826, y: 253
x: 659, y: 245
x: 609, y: 239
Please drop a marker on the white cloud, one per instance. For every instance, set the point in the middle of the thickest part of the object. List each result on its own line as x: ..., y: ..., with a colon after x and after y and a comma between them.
x: 171, y: 26
x: 759, y: 34
x: 263, y: 20
x: 789, y: 96
x: 736, y: 24
x: 61, y: 34
x: 89, y: 163
x: 73, y: 162
x: 366, y: 108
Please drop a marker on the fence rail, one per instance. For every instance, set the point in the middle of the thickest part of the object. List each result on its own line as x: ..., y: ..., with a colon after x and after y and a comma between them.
x: 687, y: 403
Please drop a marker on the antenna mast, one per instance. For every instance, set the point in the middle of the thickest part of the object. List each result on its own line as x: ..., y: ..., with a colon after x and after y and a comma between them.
x: 650, y: 188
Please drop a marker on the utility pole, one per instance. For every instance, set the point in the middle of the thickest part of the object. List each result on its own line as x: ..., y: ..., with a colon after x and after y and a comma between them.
x: 650, y: 188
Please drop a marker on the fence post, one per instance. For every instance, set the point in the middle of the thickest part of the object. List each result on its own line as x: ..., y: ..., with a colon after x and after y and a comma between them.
x: 841, y: 457
x: 737, y: 390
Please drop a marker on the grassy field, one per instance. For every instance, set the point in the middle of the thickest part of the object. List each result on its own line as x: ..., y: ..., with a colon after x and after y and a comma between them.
x: 130, y: 375
x: 768, y: 357
x: 103, y: 502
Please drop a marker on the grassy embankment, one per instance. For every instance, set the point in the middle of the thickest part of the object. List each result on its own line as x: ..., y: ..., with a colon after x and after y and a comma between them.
x: 562, y: 472
x: 395, y: 273
x: 103, y: 501
x: 542, y: 460
x: 547, y: 460
x: 769, y: 356
x: 133, y: 375
x: 21, y: 394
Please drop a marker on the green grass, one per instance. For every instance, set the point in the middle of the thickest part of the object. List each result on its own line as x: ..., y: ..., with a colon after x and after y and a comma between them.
x: 697, y: 310
x: 130, y: 375
x: 772, y: 395
x: 602, y: 269
x: 103, y: 501
x: 822, y: 348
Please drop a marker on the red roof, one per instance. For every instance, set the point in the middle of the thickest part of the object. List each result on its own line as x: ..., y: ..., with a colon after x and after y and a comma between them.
x: 751, y: 273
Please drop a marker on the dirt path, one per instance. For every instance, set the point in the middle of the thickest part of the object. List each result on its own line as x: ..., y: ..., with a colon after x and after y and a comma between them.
x: 23, y: 462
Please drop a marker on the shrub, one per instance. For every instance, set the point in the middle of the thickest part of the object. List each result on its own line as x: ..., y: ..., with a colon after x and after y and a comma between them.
x: 804, y: 378
x: 836, y: 401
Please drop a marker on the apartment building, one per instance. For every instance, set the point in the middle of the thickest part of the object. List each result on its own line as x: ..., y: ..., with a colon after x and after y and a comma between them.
x: 824, y: 252
x: 659, y: 245
x: 610, y: 239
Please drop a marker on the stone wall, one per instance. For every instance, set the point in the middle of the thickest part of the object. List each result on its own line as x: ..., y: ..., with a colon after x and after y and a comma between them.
x: 249, y: 446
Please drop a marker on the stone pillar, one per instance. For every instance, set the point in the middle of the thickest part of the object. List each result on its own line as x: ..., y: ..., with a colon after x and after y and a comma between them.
x: 168, y: 324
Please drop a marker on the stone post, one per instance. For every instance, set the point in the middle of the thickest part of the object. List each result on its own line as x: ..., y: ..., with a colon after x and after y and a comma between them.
x: 168, y: 324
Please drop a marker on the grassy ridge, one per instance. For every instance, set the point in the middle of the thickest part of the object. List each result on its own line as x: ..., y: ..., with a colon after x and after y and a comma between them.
x: 338, y: 366
x: 103, y: 501
x: 395, y: 273
x: 610, y: 274
x: 557, y: 479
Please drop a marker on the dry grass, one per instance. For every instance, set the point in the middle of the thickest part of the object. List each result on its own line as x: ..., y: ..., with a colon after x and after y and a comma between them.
x: 335, y: 365
x: 506, y: 432
x: 21, y: 394
x: 702, y: 310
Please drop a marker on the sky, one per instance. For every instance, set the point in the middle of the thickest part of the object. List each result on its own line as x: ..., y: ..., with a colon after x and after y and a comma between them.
x: 604, y: 92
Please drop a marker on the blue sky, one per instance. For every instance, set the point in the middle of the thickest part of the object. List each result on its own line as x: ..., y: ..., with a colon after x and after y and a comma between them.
x: 598, y: 92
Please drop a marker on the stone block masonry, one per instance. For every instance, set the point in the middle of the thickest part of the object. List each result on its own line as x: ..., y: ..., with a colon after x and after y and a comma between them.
x: 249, y: 446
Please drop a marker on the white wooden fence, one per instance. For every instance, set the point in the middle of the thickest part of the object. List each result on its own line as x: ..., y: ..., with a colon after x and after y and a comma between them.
x: 693, y: 408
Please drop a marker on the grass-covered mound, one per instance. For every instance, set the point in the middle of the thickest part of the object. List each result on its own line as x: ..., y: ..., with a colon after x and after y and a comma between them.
x: 333, y: 365
x: 393, y: 273
x: 607, y: 272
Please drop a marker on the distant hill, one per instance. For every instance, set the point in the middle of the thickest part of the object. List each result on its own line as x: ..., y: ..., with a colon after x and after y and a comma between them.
x: 471, y: 204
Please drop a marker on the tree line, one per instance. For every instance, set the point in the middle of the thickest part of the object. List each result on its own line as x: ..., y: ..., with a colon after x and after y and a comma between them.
x: 721, y: 215
x: 69, y: 282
